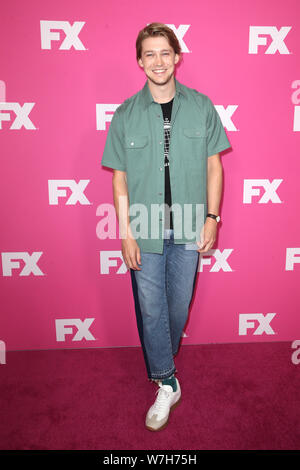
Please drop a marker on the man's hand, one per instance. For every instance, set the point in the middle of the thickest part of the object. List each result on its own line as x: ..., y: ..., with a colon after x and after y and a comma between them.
x: 131, y: 253
x: 208, y: 235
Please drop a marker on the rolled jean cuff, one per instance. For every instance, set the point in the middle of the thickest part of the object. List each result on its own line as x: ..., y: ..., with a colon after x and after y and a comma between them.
x: 164, y: 375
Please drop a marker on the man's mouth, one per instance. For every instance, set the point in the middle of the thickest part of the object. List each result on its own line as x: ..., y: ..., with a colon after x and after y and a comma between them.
x: 159, y: 71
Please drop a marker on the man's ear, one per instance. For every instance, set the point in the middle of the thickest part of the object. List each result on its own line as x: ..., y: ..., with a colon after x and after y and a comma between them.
x: 140, y: 62
x: 177, y: 58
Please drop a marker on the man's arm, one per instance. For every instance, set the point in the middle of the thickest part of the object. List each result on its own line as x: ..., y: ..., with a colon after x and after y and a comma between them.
x: 214, y: 191
x: 214, y: 184
x: 130, y: 249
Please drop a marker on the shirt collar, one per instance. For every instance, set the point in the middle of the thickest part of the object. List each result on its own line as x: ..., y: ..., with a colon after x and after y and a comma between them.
x: 147, y: 98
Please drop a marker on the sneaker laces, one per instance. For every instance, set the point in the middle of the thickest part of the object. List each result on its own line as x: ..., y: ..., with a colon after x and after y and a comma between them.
x: 162, y: 400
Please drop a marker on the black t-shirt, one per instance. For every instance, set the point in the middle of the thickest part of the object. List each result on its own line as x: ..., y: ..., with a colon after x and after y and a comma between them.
x: 167, y: 112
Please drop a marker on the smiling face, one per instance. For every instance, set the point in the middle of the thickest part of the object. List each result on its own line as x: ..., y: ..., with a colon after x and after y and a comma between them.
x: 158, y: 60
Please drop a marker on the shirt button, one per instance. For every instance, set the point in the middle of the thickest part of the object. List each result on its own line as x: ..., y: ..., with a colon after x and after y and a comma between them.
x: 160, y: 168
x: 131, y: 143
x: 160, y: 194
x: 160, y: 143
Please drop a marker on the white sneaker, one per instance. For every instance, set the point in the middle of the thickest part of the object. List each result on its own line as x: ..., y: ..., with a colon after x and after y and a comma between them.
x: 166, y: 401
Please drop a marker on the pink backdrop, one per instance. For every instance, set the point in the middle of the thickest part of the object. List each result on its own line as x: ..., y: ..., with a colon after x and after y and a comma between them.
x: 64, y: 66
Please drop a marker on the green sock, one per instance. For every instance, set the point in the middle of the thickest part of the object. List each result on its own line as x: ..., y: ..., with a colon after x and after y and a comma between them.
x: 170, y: 381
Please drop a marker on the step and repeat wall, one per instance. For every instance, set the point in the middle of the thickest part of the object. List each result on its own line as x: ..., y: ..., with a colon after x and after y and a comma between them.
x: 65, y: 67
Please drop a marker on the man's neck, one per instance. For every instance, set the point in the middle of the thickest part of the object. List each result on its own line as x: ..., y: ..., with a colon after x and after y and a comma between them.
x: 162, y: 93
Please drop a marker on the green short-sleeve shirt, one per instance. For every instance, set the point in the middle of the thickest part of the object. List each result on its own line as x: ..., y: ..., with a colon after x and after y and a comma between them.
x: 135, y: 144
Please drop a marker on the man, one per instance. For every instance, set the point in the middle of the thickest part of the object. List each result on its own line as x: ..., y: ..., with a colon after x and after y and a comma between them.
x: 163, y: 145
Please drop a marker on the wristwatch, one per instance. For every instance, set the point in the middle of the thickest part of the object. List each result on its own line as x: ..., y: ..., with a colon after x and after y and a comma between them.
x: 213, y: 216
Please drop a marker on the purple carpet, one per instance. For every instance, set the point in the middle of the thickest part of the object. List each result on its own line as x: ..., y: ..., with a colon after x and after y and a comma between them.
x: 234, y: 396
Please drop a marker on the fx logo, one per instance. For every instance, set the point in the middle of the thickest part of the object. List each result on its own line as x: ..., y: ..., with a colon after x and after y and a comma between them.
x: 292, y: 257
x: 180, y: 32
x: 22, y: 115
x: 30, y: 263
x: 248, y: 321
x: 226, y: 116
x: 82, y: 329
x: 109, y: 259
x: 104, y: 114
x: 269, y: 191
x: 76, y: 189
x: 71, y: 32
x: 220, y: 263
x: 257, y: 38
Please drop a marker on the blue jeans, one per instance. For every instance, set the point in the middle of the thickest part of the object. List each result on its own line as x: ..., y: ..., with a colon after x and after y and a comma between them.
x: 163, y: 290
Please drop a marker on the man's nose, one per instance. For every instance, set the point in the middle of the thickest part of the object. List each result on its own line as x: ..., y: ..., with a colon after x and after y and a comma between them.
x: 158, y: 59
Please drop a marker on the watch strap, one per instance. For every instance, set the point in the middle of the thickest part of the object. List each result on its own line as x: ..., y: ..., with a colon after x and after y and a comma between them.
x: 213, y: 216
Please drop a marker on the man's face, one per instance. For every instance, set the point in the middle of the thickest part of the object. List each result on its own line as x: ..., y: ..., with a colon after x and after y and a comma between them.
x: 158, y: 60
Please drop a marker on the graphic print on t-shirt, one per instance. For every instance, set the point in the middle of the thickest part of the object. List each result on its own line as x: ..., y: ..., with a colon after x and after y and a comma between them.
x: 167, y: 113
x: 167, y: 132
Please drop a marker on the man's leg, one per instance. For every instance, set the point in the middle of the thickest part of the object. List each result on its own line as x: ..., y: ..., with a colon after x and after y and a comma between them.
x: 181, y: 273
x: 139, y: 319
x: 149, y: 288
x: 153, y: 320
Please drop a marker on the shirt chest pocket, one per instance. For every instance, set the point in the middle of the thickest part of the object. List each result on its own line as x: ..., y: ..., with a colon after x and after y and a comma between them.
x: 136, y: 142
x: 197, y: 133
x: 136, y: 150
x: 195, y: 150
